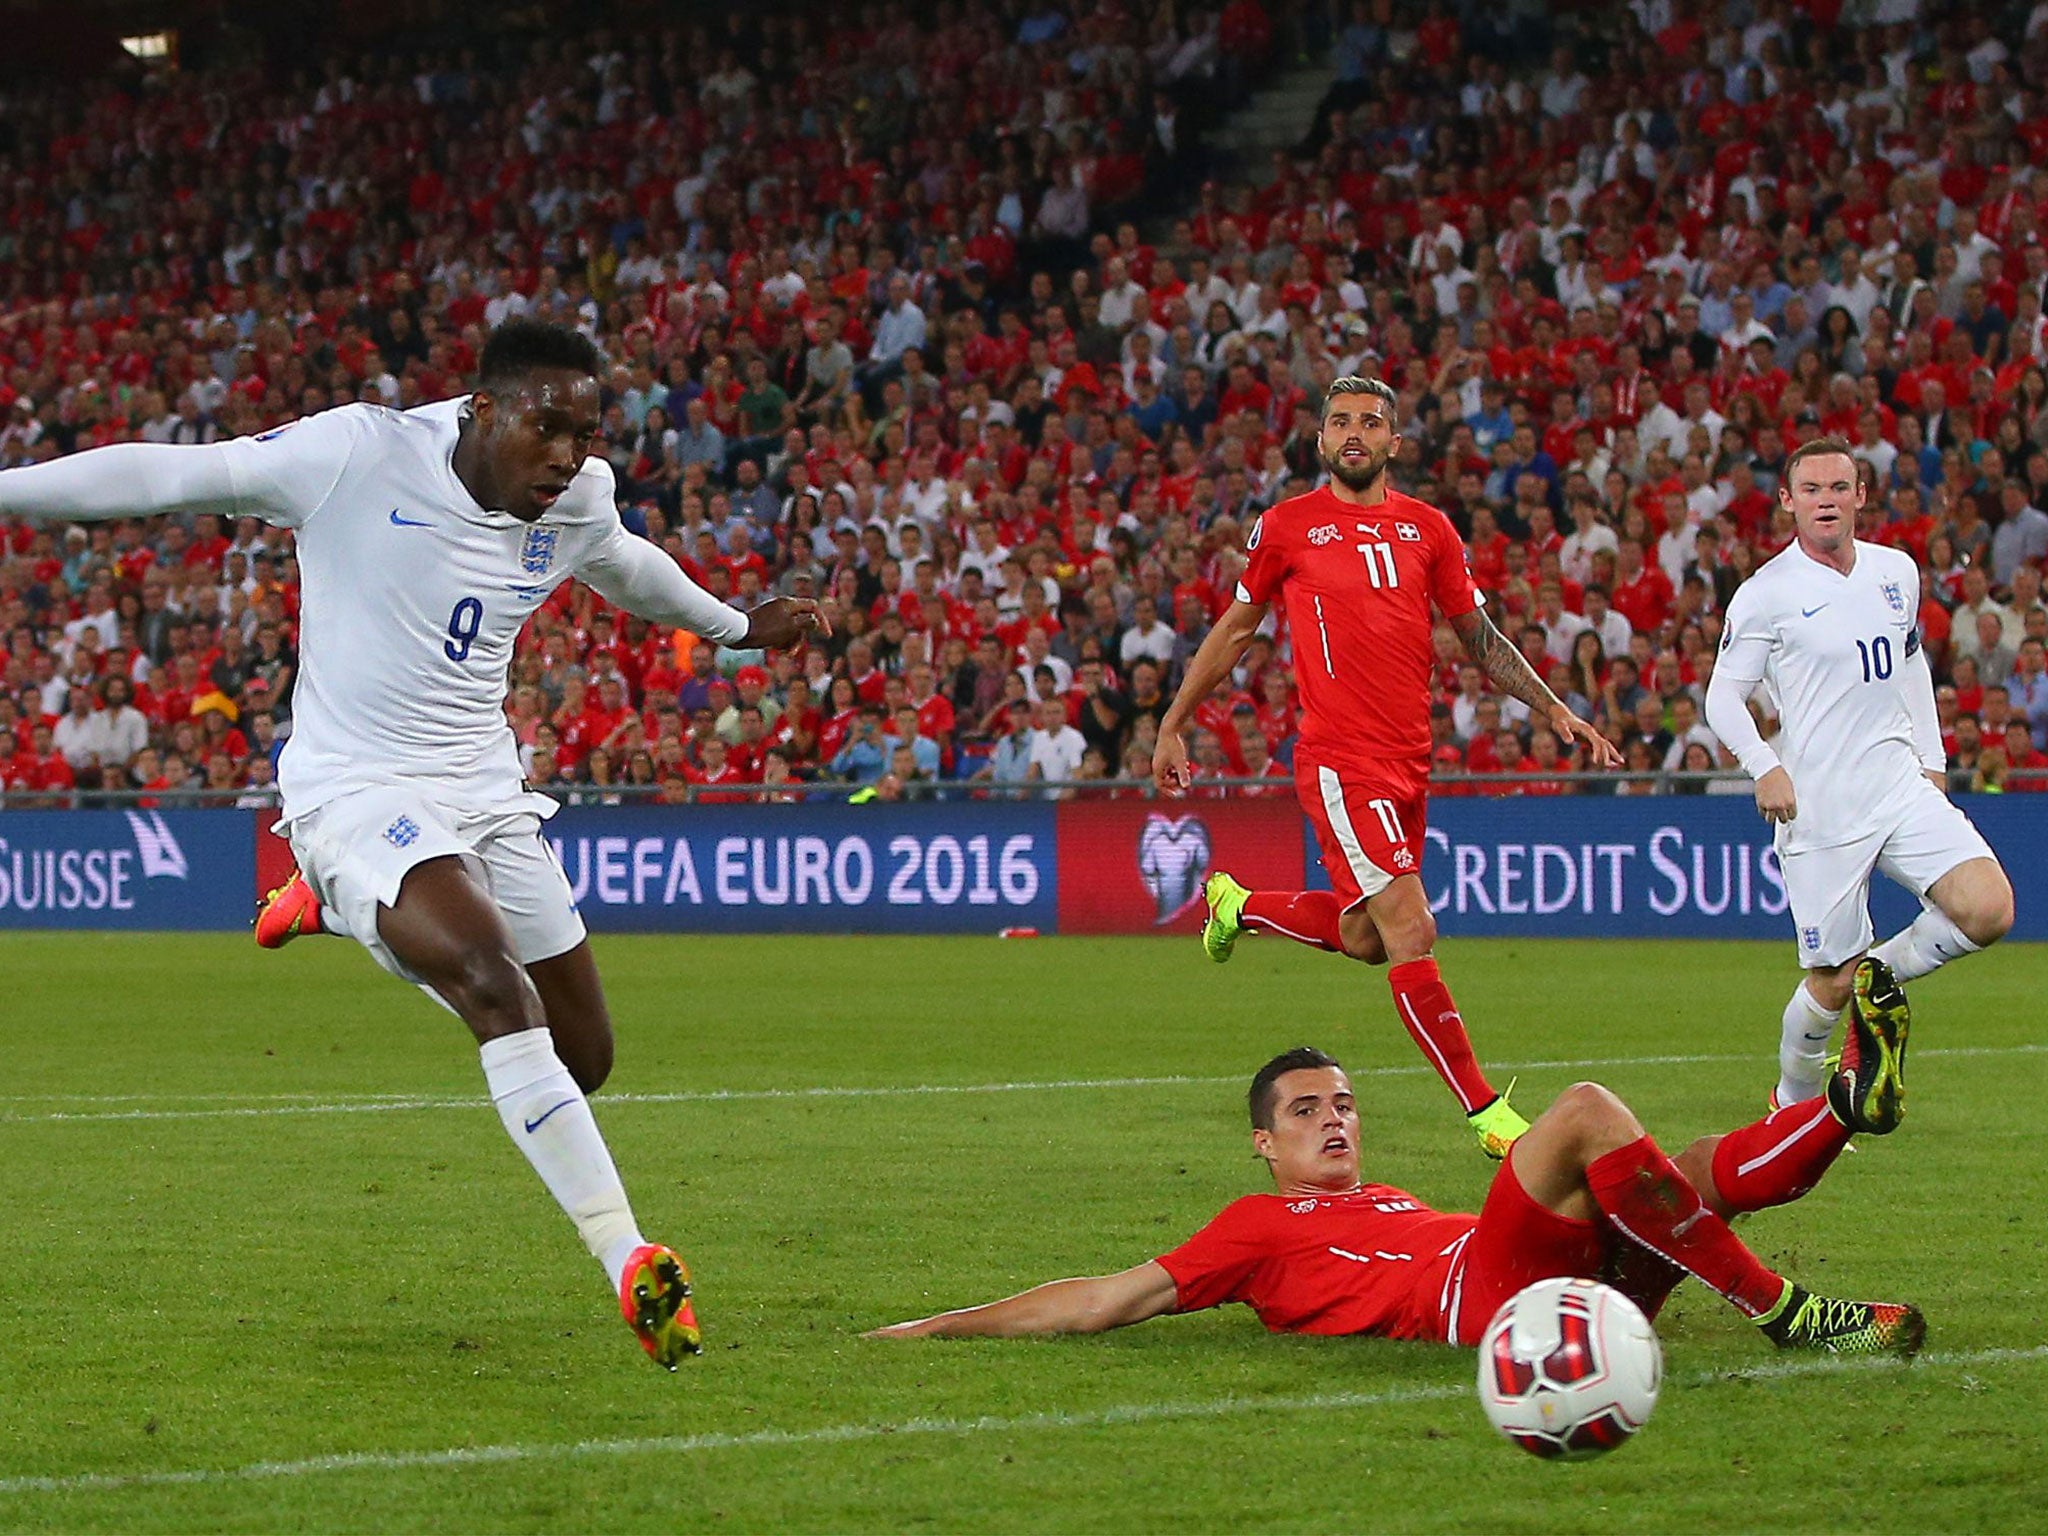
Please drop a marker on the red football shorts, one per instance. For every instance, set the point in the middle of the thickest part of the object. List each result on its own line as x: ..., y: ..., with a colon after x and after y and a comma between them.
x: 1370, y: 832
x: 1517, y: 1243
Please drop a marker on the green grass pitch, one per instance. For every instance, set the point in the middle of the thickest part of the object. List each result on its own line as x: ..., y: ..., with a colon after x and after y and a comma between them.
x: 271, y: 1265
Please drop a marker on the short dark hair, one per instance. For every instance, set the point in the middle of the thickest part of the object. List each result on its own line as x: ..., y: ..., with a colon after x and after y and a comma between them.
x: 1264, y: 1095
x: 1358, y: 384
x: 523, y: 346
x: 1820, y: 447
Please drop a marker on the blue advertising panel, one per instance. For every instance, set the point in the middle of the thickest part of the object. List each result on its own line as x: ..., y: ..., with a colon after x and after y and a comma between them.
x: 1661, y: 866
x: 126, y: 869
x: 976, y: 867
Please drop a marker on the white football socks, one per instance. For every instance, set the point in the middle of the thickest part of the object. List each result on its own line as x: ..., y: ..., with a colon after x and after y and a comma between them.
x: 1929, y: 941
x: 1803, y: 1047
x: 549, y: 1120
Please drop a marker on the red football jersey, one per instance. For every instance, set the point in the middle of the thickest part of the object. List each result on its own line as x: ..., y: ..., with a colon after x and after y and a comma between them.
x: 1357, y: 584
x: 1376, y: 1261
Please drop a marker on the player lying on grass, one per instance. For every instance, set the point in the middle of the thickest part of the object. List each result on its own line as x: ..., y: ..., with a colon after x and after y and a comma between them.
x: 426, y: 539
x: 1584, y: 1192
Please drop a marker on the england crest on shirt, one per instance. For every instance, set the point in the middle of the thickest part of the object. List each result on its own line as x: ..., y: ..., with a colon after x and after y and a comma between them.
x: 1896, y: 596
x: 538, y: 552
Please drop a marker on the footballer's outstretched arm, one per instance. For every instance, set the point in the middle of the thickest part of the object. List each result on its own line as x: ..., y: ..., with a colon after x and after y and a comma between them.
x: 283, y: 476
x: 1510, y: 671
x: 1095, y: 1304
x: 121, y: 480
x: 633, y: 574
x: 1210, y: 664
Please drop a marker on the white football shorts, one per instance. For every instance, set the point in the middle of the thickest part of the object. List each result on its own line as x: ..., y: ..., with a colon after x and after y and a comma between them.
x: 1829, y: 888
x: 355, y: 852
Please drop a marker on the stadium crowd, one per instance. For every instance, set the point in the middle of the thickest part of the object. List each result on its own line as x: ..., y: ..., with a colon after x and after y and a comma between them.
x: 885, y: 326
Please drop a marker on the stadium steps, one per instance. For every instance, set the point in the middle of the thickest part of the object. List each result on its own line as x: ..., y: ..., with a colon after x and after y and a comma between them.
x: 1277, y: 116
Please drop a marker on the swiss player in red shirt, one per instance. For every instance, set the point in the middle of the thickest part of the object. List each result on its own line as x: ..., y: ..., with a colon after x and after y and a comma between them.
x: 1585, y: 1193
x: 1357, y: 566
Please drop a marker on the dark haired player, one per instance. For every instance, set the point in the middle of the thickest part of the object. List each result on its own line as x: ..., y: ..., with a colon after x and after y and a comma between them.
x: 1856, y: 777
x: 425, y: 540
x: 1584, y: 1192
x: 1357, y: 566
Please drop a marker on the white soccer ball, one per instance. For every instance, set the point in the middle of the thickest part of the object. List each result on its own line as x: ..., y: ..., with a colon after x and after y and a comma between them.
x: 1568, y: 1369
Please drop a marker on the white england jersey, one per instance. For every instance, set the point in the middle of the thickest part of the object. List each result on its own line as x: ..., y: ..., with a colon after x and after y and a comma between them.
x: 412, y: 598
x: 1833, y: 650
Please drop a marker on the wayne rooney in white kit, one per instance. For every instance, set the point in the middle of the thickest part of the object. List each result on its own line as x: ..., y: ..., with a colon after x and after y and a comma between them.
x: 1853, y: 777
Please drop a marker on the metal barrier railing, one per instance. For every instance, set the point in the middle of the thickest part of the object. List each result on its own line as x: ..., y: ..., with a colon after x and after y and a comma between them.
x: 1499, y: 785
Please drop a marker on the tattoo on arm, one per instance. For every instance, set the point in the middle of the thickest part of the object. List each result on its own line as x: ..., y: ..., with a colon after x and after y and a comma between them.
x: 1507, y: 667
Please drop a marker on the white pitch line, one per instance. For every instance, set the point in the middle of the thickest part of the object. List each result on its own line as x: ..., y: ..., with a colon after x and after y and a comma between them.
x: 686, y: 1096
x: 368, y: 1105
x: 840, y: 1434
x: 162, y: 1098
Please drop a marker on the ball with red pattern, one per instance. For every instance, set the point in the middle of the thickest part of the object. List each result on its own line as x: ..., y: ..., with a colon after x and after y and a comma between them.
x: 1569, y: 1369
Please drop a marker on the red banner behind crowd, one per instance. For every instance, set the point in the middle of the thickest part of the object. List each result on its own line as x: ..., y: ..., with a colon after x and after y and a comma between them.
x: 1137, y: 866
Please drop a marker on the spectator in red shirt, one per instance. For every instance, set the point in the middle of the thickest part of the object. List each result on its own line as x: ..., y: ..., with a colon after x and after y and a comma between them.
x: 713, y: 775
x: 42, y: 768
x: 1641, y: 593
x: 1543, y: 762
x: 935, y: 715
x: 2026, y: 766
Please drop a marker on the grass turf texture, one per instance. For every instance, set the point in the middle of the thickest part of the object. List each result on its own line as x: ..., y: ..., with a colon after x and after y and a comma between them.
x: 203, y: 1294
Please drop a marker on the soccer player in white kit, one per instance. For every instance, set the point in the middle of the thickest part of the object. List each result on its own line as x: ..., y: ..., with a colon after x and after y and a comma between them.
x: 1855, y: 778
x: 425, y: 541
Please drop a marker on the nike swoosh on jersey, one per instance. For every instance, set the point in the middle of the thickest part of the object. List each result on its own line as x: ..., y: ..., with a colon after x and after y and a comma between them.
x: 406, y: 522
x: 1804, y: 613
x: 534, y: 1125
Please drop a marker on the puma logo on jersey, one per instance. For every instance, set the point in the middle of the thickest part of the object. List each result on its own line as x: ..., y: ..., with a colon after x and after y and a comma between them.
x: 1327, y: 534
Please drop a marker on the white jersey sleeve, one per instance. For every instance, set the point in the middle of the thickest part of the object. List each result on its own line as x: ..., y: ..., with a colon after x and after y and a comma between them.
x: 1747, y: 641
x: 121, y: 480
x: 287, y: 474
x: 1919, y: 679
x: 1728, y: 717
x: 631, y: 573
x: 1917, y: 682
x: 1747, y: 638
